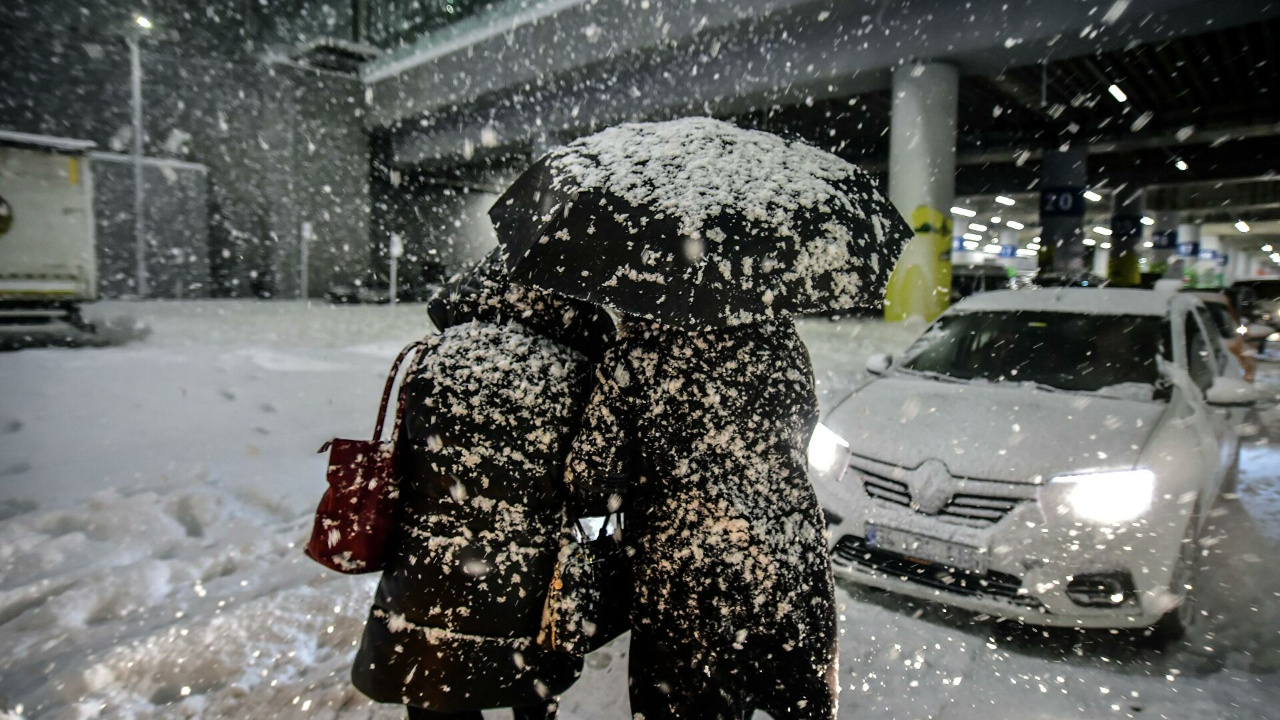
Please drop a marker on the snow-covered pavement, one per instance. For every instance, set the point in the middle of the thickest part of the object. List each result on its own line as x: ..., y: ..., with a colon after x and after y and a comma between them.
x: 154, y: 493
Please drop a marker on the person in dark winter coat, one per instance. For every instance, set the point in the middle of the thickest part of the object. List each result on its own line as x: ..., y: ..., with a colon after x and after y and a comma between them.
x: 490, y: 409
x: 734, y: 603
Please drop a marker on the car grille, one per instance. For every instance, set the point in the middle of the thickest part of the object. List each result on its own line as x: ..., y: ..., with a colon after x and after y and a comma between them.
x: 968, y: 509
x: 852, y: 550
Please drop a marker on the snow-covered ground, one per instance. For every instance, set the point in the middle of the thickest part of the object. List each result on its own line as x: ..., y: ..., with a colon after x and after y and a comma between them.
x: 154, y: 494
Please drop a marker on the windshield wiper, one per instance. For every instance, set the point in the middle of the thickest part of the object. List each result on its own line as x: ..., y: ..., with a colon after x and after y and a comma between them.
x: 933, y: 375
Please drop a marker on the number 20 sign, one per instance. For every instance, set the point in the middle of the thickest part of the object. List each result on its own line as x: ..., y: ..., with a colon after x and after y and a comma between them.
x: 1062, y: 202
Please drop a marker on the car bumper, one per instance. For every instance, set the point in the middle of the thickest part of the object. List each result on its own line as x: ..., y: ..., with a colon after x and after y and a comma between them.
x: 984, y: 594
x: 1036, y: 565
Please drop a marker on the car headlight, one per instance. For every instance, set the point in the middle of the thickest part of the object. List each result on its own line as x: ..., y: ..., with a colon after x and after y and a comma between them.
x: 1108, y: 497
x: 1242, y: 330
x: 827, y: 450
x: 1274, y: 337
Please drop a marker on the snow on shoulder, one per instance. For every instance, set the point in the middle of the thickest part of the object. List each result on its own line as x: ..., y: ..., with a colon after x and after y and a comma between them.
x: 1081, y: 301
x: 694, y: 168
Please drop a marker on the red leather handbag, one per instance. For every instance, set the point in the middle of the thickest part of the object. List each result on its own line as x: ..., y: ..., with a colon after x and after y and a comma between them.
x: 357, y: 513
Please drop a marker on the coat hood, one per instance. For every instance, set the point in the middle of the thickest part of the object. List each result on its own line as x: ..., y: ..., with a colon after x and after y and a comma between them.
x: 992, y: 432
x: 487, y: 295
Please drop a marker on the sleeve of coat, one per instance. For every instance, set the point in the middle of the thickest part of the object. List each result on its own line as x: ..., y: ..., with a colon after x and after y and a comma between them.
x: 597, y: 470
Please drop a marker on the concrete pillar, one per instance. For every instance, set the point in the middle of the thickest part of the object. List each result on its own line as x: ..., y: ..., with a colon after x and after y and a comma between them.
x: 1063, y: 178
x: 1237, y: 264
x: 1209, y: 271
x: 1164, y: 239
x: 922, y: 185
x: 1126, y: 237
x: 1100, y: 262
x: 1187, y: 254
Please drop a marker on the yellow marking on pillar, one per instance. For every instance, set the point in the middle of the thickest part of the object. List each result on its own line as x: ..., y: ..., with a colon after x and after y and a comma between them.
x: 73, y: 170
x: 1123, y: 269
x: 920, y: 285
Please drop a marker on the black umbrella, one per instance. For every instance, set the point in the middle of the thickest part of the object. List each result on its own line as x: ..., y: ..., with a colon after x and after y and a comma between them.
x: 698, y: 223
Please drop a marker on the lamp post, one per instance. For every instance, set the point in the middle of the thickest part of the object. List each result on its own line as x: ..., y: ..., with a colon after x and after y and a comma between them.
x: 139, y: 192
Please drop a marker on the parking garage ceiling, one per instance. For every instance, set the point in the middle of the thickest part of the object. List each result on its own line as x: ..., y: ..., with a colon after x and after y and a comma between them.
x: 1208, y: 102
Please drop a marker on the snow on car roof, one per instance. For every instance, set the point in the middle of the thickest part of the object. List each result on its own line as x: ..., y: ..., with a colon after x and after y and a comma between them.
x: 1089, y: 301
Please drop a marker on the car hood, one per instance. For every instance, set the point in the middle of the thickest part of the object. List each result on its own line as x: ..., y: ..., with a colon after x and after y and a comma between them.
x: 992, y: 431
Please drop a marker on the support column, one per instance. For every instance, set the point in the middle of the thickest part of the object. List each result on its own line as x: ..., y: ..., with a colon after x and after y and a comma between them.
x: 1126, y: 237
x: 1164, y: 240
x: 1188, y: 253
x: 1209, y: 269
x: 922, y: 186
x: 1063, y: 178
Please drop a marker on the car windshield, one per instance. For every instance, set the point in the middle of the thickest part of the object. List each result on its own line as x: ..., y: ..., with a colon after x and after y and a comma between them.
x: 1066, y: 351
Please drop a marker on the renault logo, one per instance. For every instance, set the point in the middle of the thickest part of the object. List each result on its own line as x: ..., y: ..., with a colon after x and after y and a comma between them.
x: 930, y: 486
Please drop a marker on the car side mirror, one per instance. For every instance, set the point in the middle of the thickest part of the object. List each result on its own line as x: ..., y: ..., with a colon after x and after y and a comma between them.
x: 1231, y: 392
x: 878, y: 364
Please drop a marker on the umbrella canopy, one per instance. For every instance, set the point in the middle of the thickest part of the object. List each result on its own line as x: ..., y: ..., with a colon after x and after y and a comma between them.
x: 698, y: 223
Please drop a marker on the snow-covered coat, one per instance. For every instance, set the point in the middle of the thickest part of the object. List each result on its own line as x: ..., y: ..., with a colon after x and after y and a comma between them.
x: 703, y: 435
x: 491, y: 408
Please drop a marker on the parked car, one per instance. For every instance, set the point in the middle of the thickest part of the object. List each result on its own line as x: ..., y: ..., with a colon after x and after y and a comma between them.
x: 1069, y: 279
x: 1258, y: 299
x: 967, y: 280
x: 1044, y: 455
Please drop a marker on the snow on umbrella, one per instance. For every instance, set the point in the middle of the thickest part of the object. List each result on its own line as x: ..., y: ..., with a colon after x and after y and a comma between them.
x: 698, y: 223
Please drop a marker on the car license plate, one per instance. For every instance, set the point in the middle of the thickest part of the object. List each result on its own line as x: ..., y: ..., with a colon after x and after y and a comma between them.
x: 923, y: 547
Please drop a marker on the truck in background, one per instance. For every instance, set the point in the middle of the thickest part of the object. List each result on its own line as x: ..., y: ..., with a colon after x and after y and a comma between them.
x: 48, y: 255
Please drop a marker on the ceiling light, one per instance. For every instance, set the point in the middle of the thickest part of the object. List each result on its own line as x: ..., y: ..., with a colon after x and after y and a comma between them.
x: 1182, y: 165
x: 965, y: 212
x: 1148, y: 244
x: 1117, y: 93
x: 973, y: 237
x: 992, y: 249
x: 1015, y: 225
x: 1147, y: 220
x: 1105, y: 246
x: 1004, y: 200
x: 1090, y: 241
x: 1026, y: 252
x: 1035, y: 239
x: 143, y: 22
x: 1033, y: 246
x: 978, y: 226
x: 970, y: 244
x: 1267, y: 248
x: 1102, y: 231
x: 995, y: 219
x: 1242, y: 226
x: 1092, y: 196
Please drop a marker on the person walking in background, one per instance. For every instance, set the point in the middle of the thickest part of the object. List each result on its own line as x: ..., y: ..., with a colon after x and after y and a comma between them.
x: 489, y: 412
x: 734, y: 603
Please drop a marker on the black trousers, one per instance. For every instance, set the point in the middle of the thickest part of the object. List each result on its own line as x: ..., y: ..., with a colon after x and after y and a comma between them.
x: 542, y: 711
x: 669, y: 681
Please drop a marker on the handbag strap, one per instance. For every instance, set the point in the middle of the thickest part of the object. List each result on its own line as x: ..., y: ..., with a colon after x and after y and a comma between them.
x: 386, y: 392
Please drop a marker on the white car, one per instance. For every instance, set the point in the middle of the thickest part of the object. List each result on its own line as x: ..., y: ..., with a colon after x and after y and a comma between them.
x: 1047, y: 455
